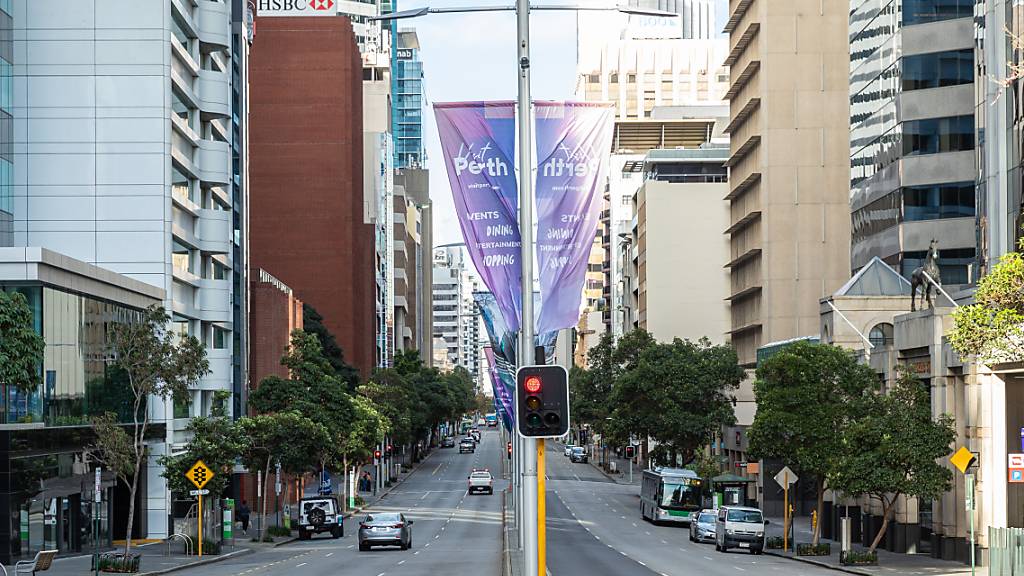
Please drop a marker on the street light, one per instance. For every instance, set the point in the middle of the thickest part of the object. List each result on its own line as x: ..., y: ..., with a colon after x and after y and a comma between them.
x: 533, y: 545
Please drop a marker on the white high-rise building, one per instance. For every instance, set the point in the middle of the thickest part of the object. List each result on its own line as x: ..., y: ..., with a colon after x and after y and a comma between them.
x: 456, y: 316
x: 123, y: 149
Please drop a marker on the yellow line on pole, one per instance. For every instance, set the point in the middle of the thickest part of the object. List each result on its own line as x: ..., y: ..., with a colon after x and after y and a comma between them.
x: 200, y: 525
x: 542, y: 539
x: 785, y: 514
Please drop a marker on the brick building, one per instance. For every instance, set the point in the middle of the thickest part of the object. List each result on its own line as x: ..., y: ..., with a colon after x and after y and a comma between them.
x: 307, y: 220
x: 276, y: 312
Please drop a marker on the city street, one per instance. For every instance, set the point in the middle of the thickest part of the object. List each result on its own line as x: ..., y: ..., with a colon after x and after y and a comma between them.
x: 454, y: 533
x: 595, y: 529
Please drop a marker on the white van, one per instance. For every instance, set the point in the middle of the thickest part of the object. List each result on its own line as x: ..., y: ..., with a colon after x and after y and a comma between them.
x: 740, y: 527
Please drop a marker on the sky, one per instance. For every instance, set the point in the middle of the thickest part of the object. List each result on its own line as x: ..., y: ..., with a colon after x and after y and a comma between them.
x: 473, y: 57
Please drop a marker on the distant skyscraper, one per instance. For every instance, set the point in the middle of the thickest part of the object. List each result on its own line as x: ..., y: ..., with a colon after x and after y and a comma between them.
x: 407, y: 116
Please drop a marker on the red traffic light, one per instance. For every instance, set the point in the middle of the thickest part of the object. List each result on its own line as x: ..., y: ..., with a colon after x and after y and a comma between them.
x: 532, y: 384
x: 376, y: 453
x: 389, y: 448
x: 509, y: 447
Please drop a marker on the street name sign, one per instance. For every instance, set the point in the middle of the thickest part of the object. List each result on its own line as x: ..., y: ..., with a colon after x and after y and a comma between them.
x: 198, y: 492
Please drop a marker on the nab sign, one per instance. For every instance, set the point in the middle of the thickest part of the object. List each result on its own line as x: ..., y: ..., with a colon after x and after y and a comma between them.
x: 297, y: 8
x: 542, y: 401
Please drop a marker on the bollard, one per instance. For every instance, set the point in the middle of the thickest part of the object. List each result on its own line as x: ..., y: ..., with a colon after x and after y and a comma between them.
x: 845, y: 533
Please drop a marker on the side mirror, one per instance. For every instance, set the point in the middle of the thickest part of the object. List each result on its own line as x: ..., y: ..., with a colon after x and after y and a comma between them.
x: 411, y: 522
x: 766, y: 522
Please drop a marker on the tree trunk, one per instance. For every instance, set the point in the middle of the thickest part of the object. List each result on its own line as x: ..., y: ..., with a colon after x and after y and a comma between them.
x: 886, y: 509
x: 820, y: 509
x: 131, y: 510
x: 263, y: 496
x: 348, y: 484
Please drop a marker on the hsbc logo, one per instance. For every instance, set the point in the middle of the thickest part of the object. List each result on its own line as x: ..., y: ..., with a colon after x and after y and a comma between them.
x: 297, y: 7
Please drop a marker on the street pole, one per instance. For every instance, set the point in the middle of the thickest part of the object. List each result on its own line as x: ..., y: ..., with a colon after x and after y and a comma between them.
x: 530, y: 516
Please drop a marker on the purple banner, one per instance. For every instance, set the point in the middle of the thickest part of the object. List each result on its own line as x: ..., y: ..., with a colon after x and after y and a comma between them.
x: 573, y: 143
x: 478, y: 141
x: 503, y: 402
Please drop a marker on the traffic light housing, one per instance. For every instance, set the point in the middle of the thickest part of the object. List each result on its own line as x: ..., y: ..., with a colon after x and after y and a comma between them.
x: 542, y: 401
x: 509, y: 450
x: 376, y: 454
x: 630, y: 452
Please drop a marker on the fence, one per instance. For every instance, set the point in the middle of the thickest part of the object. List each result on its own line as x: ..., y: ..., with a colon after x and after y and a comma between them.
x: 1006, y: 549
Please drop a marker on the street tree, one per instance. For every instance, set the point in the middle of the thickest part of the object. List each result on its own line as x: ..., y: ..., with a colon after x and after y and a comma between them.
x: 806, y: 395
x: 678, y: 394
x: 296, y: 442
x: 313, y: 323
x: 213, y: 439
x: 391, y: 394
x: 993, y: 327
x: 893, y: 448
x: 21, y: 347
x: 157, y: 363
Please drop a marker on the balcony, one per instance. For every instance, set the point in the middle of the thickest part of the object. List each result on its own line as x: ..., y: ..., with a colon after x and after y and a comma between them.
x: 215, y: 300
x: 219, y: 377
x: 213, y: 92
x: 213, y: 162
x: 214, y: 23
x: 214, y: 231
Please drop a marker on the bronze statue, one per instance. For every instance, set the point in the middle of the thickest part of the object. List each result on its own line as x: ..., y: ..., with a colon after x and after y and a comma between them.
x: 919, y: 278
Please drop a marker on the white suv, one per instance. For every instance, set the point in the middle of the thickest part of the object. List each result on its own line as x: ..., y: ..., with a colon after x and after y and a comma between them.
x: 481, y: 480
x: 320, y: 514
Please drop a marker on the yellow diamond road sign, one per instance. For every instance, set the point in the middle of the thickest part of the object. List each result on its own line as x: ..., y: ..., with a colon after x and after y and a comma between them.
x: 199, y: 474
x: 962, y: 459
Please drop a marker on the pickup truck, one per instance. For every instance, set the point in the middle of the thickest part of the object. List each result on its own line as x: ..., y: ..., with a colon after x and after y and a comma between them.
x: 481, y: 481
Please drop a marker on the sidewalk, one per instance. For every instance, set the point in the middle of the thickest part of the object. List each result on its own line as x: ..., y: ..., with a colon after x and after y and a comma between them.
x: 154, y: 561
x: 888, y: 562
x: 621, y: 476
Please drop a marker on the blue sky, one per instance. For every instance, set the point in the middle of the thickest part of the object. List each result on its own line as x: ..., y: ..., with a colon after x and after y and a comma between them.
x: 473, y: 57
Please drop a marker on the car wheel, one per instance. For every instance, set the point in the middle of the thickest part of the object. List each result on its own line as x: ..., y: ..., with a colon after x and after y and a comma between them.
x: 335, y: 533
x: 403, y: 546
x: 363, y: 547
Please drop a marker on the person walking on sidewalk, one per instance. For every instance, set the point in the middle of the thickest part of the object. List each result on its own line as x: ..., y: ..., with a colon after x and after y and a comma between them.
x: 243, y: 516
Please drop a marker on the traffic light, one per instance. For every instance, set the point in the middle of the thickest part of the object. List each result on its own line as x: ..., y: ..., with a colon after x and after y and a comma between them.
x: 542, y: 401
x: 509, y: 450
x: 389, y: 449
x: 630, y: 452
x: 376, y: 454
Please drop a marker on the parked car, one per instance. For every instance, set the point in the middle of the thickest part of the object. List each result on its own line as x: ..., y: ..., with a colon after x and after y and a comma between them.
x: 740, y: 527
x: 568, y: 450
x: 448, y: 442
x: 481, y: 481
x: 385, y: 529
x: 320, y: 514
x: 467, y: 445
x: 579, y: 454
x: 702, y: 529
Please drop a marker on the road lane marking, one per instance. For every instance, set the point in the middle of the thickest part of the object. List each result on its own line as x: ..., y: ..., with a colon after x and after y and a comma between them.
x: 641, y: 563
x: 417, y: 552
x: 402, y: 562
x: 351, y: 545
x: 740, y: 569
x: 436, y: 469
x: 300, y: 565
x: 425, y: 494
x: 707, y: 557
x: 381, y: 574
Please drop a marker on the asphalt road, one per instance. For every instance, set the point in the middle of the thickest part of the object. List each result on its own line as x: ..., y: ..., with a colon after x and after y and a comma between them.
x: 453, y: 534
x: 595, y: 529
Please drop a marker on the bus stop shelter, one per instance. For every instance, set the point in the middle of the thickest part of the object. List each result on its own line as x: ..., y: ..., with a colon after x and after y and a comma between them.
x: 731, y: 490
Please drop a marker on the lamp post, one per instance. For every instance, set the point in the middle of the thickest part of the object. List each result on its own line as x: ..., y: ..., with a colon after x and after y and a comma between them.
x: 526, y: 509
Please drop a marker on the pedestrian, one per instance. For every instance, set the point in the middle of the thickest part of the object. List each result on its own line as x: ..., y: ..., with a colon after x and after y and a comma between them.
x: 243, y: 516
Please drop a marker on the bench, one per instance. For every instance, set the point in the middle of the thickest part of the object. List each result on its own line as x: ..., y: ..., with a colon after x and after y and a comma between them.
x: 41, y: 563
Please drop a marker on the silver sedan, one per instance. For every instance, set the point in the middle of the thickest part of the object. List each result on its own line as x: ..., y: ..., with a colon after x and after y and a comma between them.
x: 385, y: 529
x: 702, y: 526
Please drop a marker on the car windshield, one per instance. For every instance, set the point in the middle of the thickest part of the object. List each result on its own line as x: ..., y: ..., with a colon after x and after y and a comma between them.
x: 383, y: 518
x: 748, y: 516
x: 706, y: 519
x: 481, y: 474
x: 679, y: 495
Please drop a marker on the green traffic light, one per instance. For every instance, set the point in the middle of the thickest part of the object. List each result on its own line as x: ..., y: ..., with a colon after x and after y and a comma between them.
x: 534, y: 421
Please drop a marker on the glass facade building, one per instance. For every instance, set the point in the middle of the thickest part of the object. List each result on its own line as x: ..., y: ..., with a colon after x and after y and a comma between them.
x: 6, y: 124
x: 407, y: 107
x: 913, y: 134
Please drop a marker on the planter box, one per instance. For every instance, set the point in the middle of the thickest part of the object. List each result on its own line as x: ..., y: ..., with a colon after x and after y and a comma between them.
x: 858, y: 558
x: 813, y: 550
x: 116, y: 562
x: 774, y: 543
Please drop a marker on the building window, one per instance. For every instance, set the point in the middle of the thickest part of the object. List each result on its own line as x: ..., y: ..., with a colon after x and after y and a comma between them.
x: 921, y: 11
x: 938, y: 69
x: 940, y: 201
x: 881, y: 335
x: 220, y: 340
x: 936, y: 135
x: 953, y: 264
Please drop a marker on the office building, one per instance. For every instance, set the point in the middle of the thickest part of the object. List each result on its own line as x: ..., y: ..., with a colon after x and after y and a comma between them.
x: 6, y: 125
x: 408, y: 101
x: 456, y: 321
x: 789, y: 168
x: 912, y: 135
x: 413, y: 255
x: 307, y: 216
x: 123, y: 160
x: 48, y: 490
x: 678, y: 292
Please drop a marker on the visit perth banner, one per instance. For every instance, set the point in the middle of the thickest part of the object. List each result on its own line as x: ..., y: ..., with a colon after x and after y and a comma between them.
x: 503, y: 402
x: 478, y: 141
x: 573, y: 144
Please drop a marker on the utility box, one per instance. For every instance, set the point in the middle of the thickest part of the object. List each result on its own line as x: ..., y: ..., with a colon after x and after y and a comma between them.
x: 845, y: 534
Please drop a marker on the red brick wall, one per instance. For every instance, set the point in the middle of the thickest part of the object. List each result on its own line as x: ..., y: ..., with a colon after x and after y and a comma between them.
x: 305, y: 173
x: 274, y: 314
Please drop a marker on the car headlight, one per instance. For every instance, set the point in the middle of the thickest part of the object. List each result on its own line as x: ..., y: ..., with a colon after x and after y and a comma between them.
x: 730, y: 532
x: 760, y: 534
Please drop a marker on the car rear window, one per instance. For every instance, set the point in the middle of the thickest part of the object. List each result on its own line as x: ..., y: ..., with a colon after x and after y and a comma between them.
x: 387, y: 517
x: 481, y: 474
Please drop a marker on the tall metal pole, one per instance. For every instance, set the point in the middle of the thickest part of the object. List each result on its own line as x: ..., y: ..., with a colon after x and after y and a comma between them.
x: 526, y: 351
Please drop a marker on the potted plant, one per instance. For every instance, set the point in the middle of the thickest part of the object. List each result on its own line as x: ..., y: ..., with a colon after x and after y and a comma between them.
x: 858, y: 558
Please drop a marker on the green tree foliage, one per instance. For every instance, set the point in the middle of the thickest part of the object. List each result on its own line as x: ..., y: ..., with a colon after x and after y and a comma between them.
x: 368, y: 430
x: 215, y: 441
x: 806, y: 395
x: 677, y: 394
x: 157, y: 363
x: 893, y: 449
x: 590, y: 390
x: 993, y: 327
x: 288, y: 437
x: 394, y: 398
x: 21, y: 347
x: 313, y: 323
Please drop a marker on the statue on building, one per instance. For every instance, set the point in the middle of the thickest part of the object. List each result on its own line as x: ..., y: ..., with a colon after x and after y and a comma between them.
x: 927, y: 276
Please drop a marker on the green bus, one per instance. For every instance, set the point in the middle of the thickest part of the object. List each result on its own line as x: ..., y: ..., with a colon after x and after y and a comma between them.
x: 670, y: 495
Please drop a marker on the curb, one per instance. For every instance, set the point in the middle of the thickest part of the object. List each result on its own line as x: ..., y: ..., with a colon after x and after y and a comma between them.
x: 819, y: 564
x: 359, y: 510
x: 213, y: 559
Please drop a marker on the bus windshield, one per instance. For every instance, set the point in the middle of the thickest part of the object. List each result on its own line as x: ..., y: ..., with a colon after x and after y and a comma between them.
x: 683, y: 496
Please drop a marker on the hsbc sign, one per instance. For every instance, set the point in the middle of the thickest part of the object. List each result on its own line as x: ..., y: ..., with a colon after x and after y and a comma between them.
x: 297, y: 8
